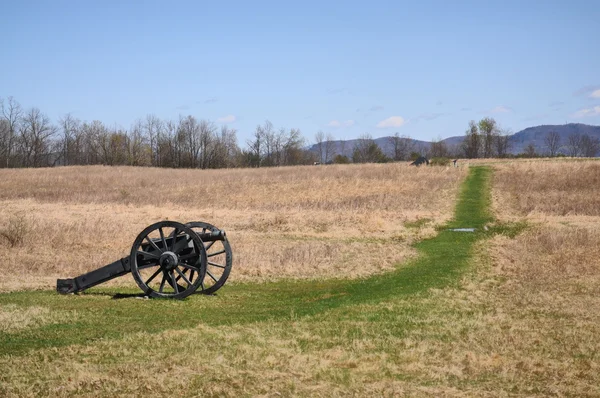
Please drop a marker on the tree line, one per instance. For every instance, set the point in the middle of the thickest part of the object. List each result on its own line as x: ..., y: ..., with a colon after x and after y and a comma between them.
x: 29, y: 139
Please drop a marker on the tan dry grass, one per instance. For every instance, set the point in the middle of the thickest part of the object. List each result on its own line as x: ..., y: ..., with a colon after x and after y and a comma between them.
x: 15, y: 318
x: 544, y: 189
x: 296, y: 222
x: 546, y: 305
x: 524, y: 322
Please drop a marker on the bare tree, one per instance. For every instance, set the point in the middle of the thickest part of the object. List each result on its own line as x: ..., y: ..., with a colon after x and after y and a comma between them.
x: 188, y: 133
x: 152, y: 129
x: 225, y: 149
x: 438, y: 149
x: 12, y: 113
x: 552, y: 141
x: 208, y: 133
x: 102, y: 136
x: 329, y: 147
x: 4, y: 140
x: 574, y: 145
x: 70, y: 147
x: 168, y: 145
x: 268, y: 147
x: 135, y: 145
x: 35, y: 133
x: 472, y: 141
x: 502, y: 141
x: 395, y: 142
x: 402, y: 145
x: 589, y: 146
x: 90, y: 132
x: 293, y: 153
x: 530, y: 151
x: 255, y: 147
x: 320, y: 139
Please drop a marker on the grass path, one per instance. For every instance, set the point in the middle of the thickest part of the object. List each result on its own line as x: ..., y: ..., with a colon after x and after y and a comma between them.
x: 96, y: 316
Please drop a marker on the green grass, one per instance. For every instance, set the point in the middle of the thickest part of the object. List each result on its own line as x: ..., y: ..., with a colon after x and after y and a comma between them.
x: 95, y: 315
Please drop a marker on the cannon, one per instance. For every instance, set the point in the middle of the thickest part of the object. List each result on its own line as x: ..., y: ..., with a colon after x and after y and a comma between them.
x: 168, y: 259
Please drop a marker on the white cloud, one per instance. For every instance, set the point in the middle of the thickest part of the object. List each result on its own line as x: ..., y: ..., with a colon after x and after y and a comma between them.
x: 595, y: 94
x: 500, y: 109
x: 394, y: 121
x: 337, y: 123
x: 587, y: 112
x: 227, y: 119
x: 586, y: 91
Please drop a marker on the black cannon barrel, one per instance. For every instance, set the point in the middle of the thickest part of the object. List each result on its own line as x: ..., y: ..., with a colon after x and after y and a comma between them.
x: 93, y: 278
x: 212, y: 236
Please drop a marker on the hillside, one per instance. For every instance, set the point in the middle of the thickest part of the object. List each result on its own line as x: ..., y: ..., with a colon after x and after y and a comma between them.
x: 537, y: 134
x: 518, y: 141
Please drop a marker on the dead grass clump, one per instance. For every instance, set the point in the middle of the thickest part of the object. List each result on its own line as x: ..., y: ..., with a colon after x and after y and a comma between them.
x: 18, y: 228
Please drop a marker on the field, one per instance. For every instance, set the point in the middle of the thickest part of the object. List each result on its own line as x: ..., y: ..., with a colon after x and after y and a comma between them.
x: 345, y: 282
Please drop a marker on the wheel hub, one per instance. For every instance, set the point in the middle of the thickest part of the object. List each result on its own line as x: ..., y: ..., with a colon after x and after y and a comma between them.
x: 169, y: 260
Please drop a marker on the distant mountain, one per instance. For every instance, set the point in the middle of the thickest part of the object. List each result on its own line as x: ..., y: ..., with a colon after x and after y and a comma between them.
x: 518, y: 141
x: 346, y: 147
x: 536, y: 135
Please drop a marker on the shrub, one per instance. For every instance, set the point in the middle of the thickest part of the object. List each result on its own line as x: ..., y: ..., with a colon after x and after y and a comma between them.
x: 17, y: 230
x: 439, y: 162
x: 341, y: 159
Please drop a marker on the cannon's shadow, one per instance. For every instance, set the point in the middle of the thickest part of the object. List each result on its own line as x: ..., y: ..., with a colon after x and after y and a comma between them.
x: 114, y: 296
x: 119, y: 296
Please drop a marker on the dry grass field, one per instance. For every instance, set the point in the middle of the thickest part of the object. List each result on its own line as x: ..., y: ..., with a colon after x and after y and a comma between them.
x: 522, y: 318
x: 295, y: 222
x: 539, y: 292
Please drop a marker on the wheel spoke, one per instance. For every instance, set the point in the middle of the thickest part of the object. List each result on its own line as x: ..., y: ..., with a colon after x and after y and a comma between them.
x: 183, y: 276
x: 209, y: 245
x: 162, y: 284
x: 192, y: 272
x: 148, y: 255
x: 216, y: 265
x: 154, y: 245
x: 172, y: 275
x: 153, y: 276
x: 215, y: 253
x: 162, y: 238
x: 179, y: 277
x: 212, y: 276
x: 184, y: 265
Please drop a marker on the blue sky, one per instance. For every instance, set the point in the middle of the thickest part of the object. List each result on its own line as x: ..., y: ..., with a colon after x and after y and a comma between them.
x: 347, y: 68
